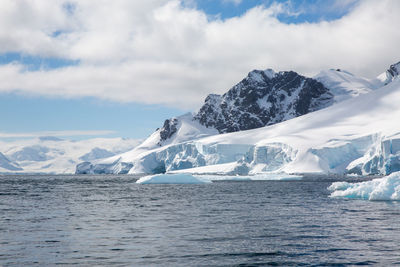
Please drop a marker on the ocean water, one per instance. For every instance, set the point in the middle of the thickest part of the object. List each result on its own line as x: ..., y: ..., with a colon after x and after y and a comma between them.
x: 111, y: 221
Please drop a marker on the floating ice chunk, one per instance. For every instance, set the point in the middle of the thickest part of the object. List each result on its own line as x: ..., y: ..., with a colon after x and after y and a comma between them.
x: 257, y: 177
x: 339, y: 186
x: 386, y: 188
x: 276, y: 177
x: 225, y: 177
x: 181, y: 178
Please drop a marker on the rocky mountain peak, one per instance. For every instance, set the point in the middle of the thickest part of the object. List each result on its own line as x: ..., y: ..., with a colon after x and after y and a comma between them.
x: 394, y: 69
x: 392, y: 73
x: 263, y: 98
x: 168, y: 129
x: 260, y: 76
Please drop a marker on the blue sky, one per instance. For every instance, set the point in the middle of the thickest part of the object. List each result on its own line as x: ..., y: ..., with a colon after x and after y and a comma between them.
x: 64, y: 47
x: 312, y: 10
x: 33, y: 114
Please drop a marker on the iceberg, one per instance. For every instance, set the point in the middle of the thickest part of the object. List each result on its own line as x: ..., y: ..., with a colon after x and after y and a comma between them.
x: 257, y: 177
x: 276, y: 177
x: 181, y: 178
x: 185, y: 178
x: 386, y: 188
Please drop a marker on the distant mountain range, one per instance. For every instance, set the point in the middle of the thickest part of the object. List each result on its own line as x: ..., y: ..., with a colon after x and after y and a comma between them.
x: 50, y: 154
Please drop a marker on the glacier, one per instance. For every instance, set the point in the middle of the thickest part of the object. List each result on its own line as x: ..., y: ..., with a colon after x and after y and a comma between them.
x: 355, y: 135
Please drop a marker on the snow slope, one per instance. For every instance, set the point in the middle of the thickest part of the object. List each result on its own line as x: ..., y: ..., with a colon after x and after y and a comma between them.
x: 344, y: 85
x: 358, y: 135
x: 186, y: 128
x: 54, y: 155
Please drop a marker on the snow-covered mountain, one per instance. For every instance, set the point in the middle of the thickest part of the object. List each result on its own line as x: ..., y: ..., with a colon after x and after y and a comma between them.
x: 351, y: 135
x: 54, y: 155
x: 260, y: 99
x: 263, y: 98
x: 174, y: 132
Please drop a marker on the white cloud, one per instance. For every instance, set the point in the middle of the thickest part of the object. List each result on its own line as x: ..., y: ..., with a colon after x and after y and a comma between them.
x: 55, y: 133
x: 164, y: 52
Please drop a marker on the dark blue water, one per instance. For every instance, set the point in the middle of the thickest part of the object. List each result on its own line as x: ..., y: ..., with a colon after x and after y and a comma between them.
x: 111, y: 221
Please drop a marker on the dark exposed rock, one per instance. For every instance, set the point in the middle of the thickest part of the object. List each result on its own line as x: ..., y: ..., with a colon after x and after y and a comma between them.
x: 392, y: 73
x: 263, y: 98
x: 394, y: 69
x: 168, y: 129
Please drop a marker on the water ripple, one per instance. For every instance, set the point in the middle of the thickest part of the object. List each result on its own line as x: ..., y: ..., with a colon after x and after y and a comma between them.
x: 111, y: 221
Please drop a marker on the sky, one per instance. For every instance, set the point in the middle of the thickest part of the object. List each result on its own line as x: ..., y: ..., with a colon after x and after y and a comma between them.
x: 80, y: 69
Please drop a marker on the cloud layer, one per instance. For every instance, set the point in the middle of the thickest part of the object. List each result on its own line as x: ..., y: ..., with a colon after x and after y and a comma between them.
x: 164, y: 52
x: 55, y: 133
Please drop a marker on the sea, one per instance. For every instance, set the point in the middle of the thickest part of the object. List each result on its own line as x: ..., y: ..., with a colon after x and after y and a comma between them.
x: 109, y: 220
